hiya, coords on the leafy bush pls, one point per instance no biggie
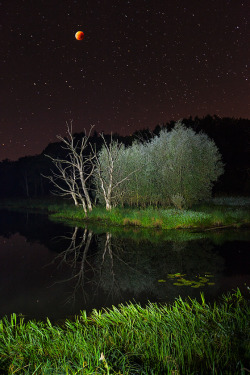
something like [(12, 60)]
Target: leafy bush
[(177, 167)]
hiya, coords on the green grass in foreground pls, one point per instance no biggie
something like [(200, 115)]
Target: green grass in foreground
[(184, 338)]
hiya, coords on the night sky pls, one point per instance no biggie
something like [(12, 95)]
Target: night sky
[(141, 63)]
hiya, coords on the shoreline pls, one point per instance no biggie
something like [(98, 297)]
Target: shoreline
[(203, 217)]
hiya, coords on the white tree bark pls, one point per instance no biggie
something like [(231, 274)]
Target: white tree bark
[(74, 171), (107, 164)]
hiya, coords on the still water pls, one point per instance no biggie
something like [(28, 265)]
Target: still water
[(56, 270)]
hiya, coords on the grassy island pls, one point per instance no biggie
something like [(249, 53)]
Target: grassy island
[(217, 213), (186, 337)]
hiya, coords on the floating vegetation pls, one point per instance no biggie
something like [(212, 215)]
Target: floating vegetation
[(200, 281)]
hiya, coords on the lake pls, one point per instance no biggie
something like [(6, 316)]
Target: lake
[(54, 269)]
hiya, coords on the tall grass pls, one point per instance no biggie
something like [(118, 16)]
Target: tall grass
[(187, 337)]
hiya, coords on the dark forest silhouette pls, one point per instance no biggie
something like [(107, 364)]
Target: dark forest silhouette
[(23, 178)]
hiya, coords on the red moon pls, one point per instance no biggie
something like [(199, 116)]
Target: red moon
[(79, 35)]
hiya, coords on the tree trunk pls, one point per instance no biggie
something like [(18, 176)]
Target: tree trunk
[(74, 198), (108, 206), (86, 193)]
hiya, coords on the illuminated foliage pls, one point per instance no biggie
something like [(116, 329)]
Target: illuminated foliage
[(189, 164), (175, 168)]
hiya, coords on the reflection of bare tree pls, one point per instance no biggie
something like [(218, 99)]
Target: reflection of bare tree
[(121, 268), (76, 257), (106, 256), (117, 267)]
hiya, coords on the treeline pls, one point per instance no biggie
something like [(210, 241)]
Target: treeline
[(24, 178)]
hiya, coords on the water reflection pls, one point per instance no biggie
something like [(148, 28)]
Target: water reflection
[(50, 269), (75, 256), (132, 269), (121, 269)]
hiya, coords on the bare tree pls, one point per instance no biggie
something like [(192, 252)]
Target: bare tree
[(74, 170), (108, 170)]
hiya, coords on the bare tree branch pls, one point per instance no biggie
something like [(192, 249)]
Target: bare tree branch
[(74, 170), (105, 170)]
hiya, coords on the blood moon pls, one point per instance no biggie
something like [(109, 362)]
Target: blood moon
[(79, 35)]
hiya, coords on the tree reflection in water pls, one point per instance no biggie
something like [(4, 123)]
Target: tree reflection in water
[(75, 256), (115, 268), (123, 270), (106, 267)]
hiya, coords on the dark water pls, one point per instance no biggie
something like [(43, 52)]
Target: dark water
[(51, 269)]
